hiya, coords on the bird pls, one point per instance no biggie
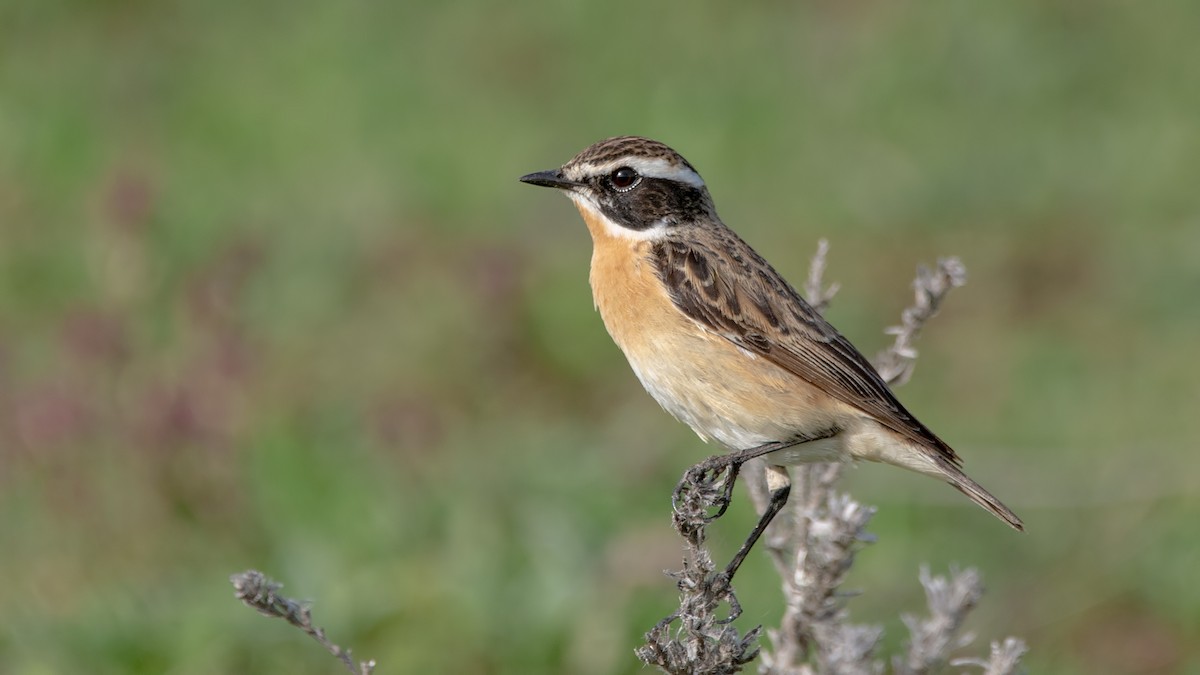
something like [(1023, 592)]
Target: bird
[(722, 341)]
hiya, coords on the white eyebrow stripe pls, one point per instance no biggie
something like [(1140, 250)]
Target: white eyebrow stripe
[(652, 167)]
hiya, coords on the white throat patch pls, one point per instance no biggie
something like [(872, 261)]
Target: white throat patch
[(612, 229)]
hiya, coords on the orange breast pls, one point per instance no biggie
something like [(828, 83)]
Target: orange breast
[(701, 378), (631, 300)]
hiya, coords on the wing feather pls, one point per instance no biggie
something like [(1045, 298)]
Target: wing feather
[(731, 290)]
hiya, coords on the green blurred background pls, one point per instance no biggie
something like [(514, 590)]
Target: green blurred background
[(271, 296)]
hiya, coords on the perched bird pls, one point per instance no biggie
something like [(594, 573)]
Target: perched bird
[(722, 341)]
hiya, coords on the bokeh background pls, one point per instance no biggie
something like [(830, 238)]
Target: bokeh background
[(271, 296)]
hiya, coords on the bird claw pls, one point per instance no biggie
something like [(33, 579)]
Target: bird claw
[(721, 586), (705, 486)]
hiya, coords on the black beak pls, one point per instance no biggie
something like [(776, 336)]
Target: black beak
[(553, 179)]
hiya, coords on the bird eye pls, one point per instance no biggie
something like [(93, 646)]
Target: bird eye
[(624, 178)]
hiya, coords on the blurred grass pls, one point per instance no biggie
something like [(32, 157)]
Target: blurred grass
[(270, 296)]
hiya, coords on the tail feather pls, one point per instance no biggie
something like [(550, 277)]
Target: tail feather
[(964, 484), (876, 444)]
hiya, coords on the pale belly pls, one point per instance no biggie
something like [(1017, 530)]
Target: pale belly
[(737, 399)]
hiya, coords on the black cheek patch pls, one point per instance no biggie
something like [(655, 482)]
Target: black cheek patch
[(655, 200)]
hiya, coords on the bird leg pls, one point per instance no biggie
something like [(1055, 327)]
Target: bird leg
[(710, 484), (779, 486)]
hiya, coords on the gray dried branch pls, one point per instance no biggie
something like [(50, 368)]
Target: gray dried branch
[(815, 291), (704, 641), (1005, 658), (260, 592), (950, 599), (813, 550), (896, 363)]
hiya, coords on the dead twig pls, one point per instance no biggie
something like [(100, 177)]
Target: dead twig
[(260, 592)]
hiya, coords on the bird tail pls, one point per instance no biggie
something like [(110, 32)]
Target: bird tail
[(964, 484)]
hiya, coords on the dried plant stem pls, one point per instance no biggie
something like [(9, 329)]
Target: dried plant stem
[(896, 363), (950, 599), (705, 641), (1005, 658), (260, 592), (815, 291)]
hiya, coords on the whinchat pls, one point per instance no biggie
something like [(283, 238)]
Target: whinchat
[(721, 340)]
